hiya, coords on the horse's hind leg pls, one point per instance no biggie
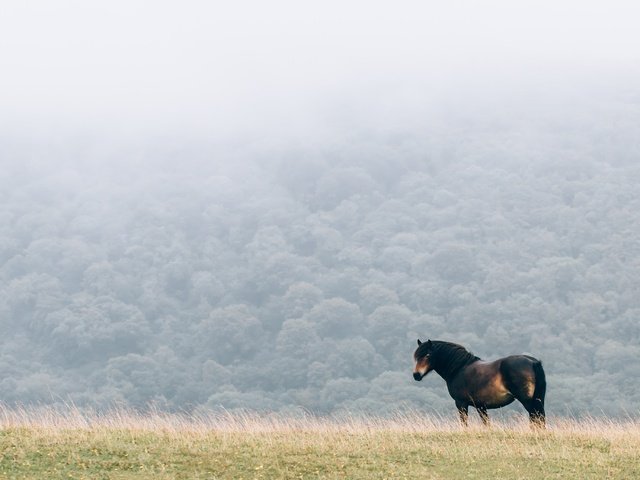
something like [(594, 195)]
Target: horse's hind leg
[(536, 413), (535, 408), (529, 389)]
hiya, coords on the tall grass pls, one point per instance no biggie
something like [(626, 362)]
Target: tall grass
[(248, 422), (122, 443)]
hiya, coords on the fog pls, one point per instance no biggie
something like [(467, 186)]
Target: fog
[(222, 69), (263, 205)]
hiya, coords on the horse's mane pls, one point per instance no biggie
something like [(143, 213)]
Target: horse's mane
[(447, 358)]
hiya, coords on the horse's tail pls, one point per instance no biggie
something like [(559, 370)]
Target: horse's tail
[(540, 389), (536, 408)]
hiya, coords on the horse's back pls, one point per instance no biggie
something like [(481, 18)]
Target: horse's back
[(519, 361)]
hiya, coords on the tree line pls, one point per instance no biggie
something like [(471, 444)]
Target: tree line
[(302, 279)]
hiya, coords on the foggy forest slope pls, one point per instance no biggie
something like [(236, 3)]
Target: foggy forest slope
[(285, 277)]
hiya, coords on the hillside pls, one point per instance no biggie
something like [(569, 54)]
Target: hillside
[(168, 281)]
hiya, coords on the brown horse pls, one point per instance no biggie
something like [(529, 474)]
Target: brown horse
[(484, 385)]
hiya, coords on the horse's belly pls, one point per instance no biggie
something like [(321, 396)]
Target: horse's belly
[(494, 394), (499, 401)]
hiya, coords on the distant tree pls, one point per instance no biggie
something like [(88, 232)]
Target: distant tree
[(95, 331), (394, 390), (297, 347), (138, 377), (299, 172), (396, 258), (374, 295), (340, 392), (38, 388), (64, 258), (335, 318), (228, 334), (29, 299), (280, 271), (298, 339), (617, 357), (206, 287), (176, 278), (454, 263), (339, 184), (266, 242), (341, 283), (388, 329), (299, 298), (328, 242), (355, 256), (318, 374), (233, 399), (354, 358)]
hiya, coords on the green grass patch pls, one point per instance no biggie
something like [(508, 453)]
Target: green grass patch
[(164, 447), (132, 453)]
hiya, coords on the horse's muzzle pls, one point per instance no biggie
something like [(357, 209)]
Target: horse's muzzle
[(416, 376)]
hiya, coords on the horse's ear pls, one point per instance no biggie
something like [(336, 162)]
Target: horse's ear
[(419, 342), (429, 344)]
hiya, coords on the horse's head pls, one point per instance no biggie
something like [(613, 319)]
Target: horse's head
[(422, 357)]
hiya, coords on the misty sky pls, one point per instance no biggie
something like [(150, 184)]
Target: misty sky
[(282, 69)]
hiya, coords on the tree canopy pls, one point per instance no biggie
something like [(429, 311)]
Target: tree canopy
[(303, 278)]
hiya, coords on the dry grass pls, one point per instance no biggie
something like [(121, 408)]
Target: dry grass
[(70, 443)]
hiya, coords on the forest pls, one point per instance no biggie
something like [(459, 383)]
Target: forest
[(192, 275)]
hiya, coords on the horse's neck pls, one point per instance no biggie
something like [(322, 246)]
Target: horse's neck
[(448, 366), (446, 371)]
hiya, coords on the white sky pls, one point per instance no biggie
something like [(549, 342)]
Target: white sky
[(233, 65)]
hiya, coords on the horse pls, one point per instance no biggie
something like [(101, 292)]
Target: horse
[(481, 384)]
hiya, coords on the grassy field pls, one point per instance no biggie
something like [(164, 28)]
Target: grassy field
[(122, 445)]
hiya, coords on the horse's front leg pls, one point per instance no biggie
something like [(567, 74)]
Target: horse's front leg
[(463, 411), (482, 411)]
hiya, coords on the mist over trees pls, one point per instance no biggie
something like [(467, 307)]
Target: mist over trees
[(273, 277)]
